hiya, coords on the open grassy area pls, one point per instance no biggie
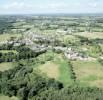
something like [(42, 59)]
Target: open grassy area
[(89, 73), (93, 35), (69, 39), (101, 47), (51, 69), (65, 75), (5, 37), (57, 68), (7, 51), (2, 97), (6, 66)]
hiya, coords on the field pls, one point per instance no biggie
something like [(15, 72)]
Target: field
[(51, 70), (5, 37), (65, 73), (57, 68), (7, 51), (93, 35), (6, 66), (89, 73), (2, 97)]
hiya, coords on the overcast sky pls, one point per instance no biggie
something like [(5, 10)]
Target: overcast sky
[(50, 6)]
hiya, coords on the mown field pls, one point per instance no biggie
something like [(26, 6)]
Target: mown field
[(89, 73)]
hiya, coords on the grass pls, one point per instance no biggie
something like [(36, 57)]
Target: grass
[(93, 35), (57, 68), (6, 66), (89, 72), (51, 69), (5, 37), (64, 73), (2, 97), (101, 45), (69, 39), (7, 51)]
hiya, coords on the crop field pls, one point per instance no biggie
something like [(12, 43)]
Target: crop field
[(89, 73)]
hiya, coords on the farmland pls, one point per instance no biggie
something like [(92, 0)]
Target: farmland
[(2, 97), (51, 57), (6, 37), (92, 35), (89, 73), (6, 66)]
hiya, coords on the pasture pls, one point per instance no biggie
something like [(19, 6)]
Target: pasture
[(92, 35), (51, 69), (5, 37), (6, 66), (89, 72), (2, 97), (7, 51), (57, 68)]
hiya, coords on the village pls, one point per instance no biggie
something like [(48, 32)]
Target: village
[(39, 42)]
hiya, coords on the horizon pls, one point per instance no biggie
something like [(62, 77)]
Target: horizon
[(61, 14)]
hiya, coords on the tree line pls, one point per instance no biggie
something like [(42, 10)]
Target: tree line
[(23, 52), (27, 84), (24, 83)]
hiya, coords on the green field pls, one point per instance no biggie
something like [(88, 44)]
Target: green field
[(6, 66), (50, 69), (7, 51), (65, 73), (57, 68), (89, 73), (2, 97), (5, 37), (89, 35)]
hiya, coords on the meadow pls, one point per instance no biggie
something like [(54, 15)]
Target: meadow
[(6, 37), (2, 97), (91, 35), (54, 66), (7, 65), (89, 73)]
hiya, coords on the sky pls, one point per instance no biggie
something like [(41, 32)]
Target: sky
[(50, 6)]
